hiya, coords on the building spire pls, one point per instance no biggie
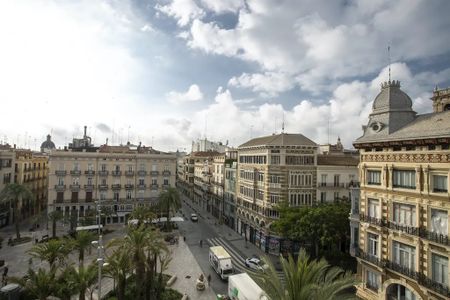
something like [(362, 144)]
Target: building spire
[(389, 57)]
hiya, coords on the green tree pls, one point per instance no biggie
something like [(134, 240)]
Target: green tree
[(64, 285), (81, 242), (53, 251), (142, 214), (54, 217), (155, 249), (15, 193), (83, 278), (118, 268), (169, 200), (305, 280), (38, 284)]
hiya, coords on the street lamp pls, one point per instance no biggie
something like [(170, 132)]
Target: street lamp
[(100, 248)]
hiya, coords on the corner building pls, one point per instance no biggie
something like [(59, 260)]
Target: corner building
[(272, 169), (400, 223)]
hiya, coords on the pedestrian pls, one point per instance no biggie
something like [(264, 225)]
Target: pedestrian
[(201, 243), (209, 279), (184, 238)]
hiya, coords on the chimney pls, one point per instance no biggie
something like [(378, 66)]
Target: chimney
[(85, 129)]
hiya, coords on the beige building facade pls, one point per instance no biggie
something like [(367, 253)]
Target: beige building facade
[(120, 177), (399, 218)]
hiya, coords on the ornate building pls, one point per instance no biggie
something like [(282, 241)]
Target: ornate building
[(400, 217)]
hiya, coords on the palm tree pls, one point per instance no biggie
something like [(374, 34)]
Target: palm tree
[(13, 193), (53, 251), (83, 278), (55, 216), (305, 279), (82, 242), (118, 268), (64, 285), (154, 250), (136, 242), (38, 284), (142, 214), (169, 200)]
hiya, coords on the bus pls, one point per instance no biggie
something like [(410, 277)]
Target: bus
[(90, 228)]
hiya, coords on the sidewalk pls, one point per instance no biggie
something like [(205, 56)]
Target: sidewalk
[(187, 270)]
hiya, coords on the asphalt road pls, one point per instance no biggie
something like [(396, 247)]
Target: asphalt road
[(194, 232)]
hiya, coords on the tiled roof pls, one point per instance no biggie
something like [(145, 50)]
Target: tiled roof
[(432, 125), (205, 153), (337, 160), (283, 139)]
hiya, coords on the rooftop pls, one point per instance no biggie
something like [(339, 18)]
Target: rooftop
[(283, 139), (337, 160)]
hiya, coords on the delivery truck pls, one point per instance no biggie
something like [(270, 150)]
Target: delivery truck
[(243, 287), (220, 260)]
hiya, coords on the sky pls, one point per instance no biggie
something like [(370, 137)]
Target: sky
[(167, 72)]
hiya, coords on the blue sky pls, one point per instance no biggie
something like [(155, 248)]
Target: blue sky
[(167, 72)]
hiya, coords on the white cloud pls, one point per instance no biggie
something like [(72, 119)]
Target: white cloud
[(182, 10), (222, 6), (268, 84), (192, 94), (147, 28)]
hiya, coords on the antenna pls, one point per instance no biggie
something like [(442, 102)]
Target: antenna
[(389, 57), (328, 129), (282, 125), (128, 138), (206, 125)]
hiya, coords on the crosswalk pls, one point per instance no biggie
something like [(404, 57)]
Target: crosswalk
[(237, 259)]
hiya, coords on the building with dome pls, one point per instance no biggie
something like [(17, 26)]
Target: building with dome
[(48, 145), (399, 215)]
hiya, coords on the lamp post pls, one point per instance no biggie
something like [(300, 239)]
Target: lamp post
[(99, 245)]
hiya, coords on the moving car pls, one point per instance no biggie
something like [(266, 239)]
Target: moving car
[(255, 264), (194, 218)]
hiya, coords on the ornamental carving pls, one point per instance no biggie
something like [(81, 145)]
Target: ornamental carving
[(408, 158)]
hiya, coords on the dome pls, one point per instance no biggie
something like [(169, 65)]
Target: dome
[(48, 144), (391, 98)]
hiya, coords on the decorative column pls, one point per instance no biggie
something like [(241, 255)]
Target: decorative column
[(418, 174), (390, 176), (426, 188)]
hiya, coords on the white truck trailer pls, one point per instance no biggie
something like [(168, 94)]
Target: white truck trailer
[(243, 287), (220, 260)]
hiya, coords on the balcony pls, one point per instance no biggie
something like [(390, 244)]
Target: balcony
[(89, 187), (371, 220), (103, 186), (434, 237), (116, 173), (372, 287), (116, 186), (103, 173), (403, 228), (142, 172), (275, 185), (331, 185), (129, 186), (60, 173), (60, 187), (369, 257), (75, 172), (129, 173), (75, 187), (166, 173), (154, 186), (89, 172), (141, 186), (154, 173)]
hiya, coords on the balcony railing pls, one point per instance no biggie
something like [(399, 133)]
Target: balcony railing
[(369, 257), (75, 172), (154, 173), (154, 186), (332, 184), (60, 187), (88, 186), (116, 186), (371, 220), (166, 173), (89, 172), (141, 186), (404, 228), (129, 186), (372, 287), (103, 173), (129, 173), (116, 173), (103, 186), (142, 172), (74, 187), (434, 237), (60, 173)]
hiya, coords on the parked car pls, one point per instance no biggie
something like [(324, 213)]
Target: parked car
[(194, 218), (255, 264)]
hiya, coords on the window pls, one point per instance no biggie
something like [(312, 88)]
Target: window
[(336, 196), (141, 181), (336, 180), (440, 269), (103, 181), (275, 159), (154, 182), (59, 196), (374, 177), (141, 194), (274, 199), (404, 255), (154, 167), (75, 180), (117, 168), (166, 181), (76, 166), (130, 168), (405, 214), (102, 195), (60, 180), (323, 180), (439, 221), (61, 167), (116, 196), (372, 244), (128, 195), (323, 197), (372, 280), (440, 184), (404, 179), (374, 208), (89, 181), (90, 167), (88, 196), (142, 167), (74, 197), (103, 167)]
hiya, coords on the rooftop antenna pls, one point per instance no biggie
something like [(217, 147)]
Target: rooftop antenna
[(128, 138), (282, 125), (206, 125), (328, 129), (389, 57)]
